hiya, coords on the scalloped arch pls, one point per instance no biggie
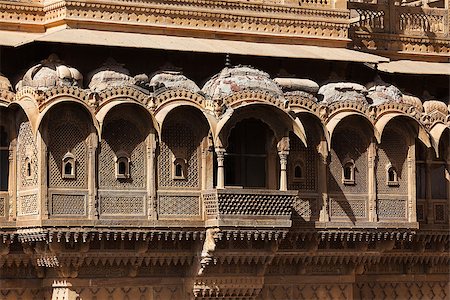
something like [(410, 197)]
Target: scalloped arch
[(31, 110), (386, 118), (296, 125), (337, 118), (436, 133), (106, 108), (67, 99)]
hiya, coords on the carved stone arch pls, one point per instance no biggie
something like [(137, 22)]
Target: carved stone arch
[(30, 109), (169, 96), (75, 101), (245, 97), (334, 121), (386, 118), (106, 107), (130, 93), (436, 134), (233, 116), (164, 110), (325, 134)]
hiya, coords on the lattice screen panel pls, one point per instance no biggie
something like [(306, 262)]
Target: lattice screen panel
[(179, 140), (27, 150), (2, 206), (122, 135), (122, 205), (348, 144), (68, 204), (309, 156), (306, 208), (393, 150), (174, 205), (348, 208), (67, 138), (392, 208)]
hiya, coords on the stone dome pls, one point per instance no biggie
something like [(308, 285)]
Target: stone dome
[(297, 84), (342, 91), (379, 94), (235, 79), (110, 74), (5, 84), (51, 72), (174, 80), (414, 101)]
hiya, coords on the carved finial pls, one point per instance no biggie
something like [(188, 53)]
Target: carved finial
[(227, 60)]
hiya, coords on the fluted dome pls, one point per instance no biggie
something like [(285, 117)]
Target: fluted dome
[(435, 105), (239, 78), (343, 91), (414, 101), (51, 72), (110, 74), (5, 84), (175, 80)]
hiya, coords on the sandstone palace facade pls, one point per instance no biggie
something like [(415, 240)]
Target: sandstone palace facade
[(210, 149)]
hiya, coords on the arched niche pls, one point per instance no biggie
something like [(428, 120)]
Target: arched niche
[(184, 136)]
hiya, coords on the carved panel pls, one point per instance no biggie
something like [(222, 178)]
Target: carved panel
[(393, 151), (309, 157), (179, 141), (28, 205), (2, 206), (68, 204), (307, 291), (122, 136), (440, 212), (392, 208), (402, 290), (171, 205), (348, 208), (27, 152), (122, 205), (306, 208), (63, 139)]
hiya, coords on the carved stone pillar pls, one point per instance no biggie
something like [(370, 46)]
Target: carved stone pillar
[(220, 153), (92, 189), (12, 182), (151, 177), (412, 216), (42, 176), (323, 181), (204, 168), (283, 174), (428, 204), (372, 183), (283, 152)]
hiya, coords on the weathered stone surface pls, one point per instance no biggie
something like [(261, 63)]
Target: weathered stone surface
[(51, 72), (297, 84), (236, 79), (5, 84), (414, 101), (384, 93), (342, 91), (110, 74), (175, 80)]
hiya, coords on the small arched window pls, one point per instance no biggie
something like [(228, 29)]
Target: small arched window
[(122, 166), (391, 176), (179, 169), (68, 166), (29, 167), (298, 173), (348, 173)]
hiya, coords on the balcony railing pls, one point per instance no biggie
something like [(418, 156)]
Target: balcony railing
[(403, 20), (248, 207)]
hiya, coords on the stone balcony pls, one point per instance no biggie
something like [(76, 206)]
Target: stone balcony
[(248, 207), (387, 29)]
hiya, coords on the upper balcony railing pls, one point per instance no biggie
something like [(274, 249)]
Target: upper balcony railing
[(386, 26)]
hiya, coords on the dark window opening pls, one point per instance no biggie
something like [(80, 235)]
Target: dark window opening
[(68, 169), (298, 172), (122, 168), (28, 168), (4, 160), (246, 155), (178, 170), (348, 172)]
